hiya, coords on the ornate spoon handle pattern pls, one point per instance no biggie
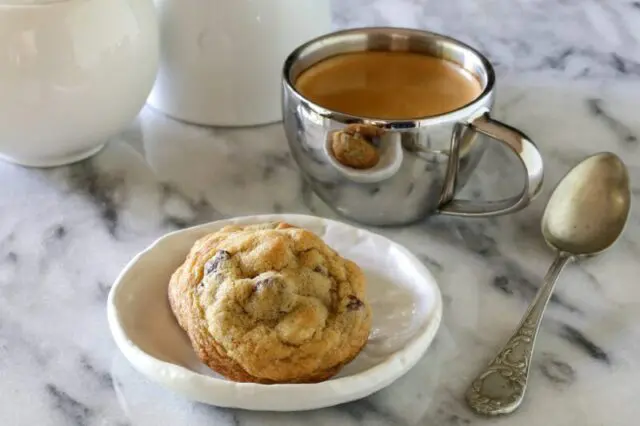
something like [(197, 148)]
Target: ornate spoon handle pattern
[(501, 387)]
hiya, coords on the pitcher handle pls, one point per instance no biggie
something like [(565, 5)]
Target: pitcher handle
[(519, 143)]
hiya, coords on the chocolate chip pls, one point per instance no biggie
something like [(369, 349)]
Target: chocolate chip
[(265, 282), (354, 303), (213, 264), (321, 270)]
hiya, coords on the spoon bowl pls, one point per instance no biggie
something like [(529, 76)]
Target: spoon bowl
[(589, 208), (585, 215)]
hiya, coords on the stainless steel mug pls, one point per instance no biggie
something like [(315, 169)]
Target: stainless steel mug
[(424, 161)]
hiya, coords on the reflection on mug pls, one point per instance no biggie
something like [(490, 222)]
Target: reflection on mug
[(357, 146), (364, 153)]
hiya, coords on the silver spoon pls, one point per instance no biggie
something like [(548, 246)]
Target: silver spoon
[(585, 215)]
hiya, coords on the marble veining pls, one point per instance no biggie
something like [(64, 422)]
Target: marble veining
[(65, 233)]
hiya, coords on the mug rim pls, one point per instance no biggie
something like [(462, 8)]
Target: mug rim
[(462, 113)]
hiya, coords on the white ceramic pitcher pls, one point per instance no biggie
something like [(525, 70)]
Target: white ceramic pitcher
[(221, 60), (72, 74)]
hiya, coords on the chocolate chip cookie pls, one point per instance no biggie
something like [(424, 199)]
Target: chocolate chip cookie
[(271, 303)]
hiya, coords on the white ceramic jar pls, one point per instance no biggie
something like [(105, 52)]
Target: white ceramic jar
[(72, 74), (221, 60)]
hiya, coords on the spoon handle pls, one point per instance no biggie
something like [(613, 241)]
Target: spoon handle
[(500, 388)]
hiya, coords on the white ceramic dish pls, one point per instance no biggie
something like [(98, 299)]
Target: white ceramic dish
[(406, 303)]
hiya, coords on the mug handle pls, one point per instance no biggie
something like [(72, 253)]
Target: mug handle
[(519, 143)]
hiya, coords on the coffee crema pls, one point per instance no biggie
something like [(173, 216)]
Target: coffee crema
[(388, 85)]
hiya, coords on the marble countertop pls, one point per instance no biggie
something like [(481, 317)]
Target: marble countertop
[(65, 233), (592, 39)]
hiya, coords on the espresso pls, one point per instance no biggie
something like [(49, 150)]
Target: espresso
[(388, 85)]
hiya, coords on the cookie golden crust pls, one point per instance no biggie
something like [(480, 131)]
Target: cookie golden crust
[(271, 303)]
